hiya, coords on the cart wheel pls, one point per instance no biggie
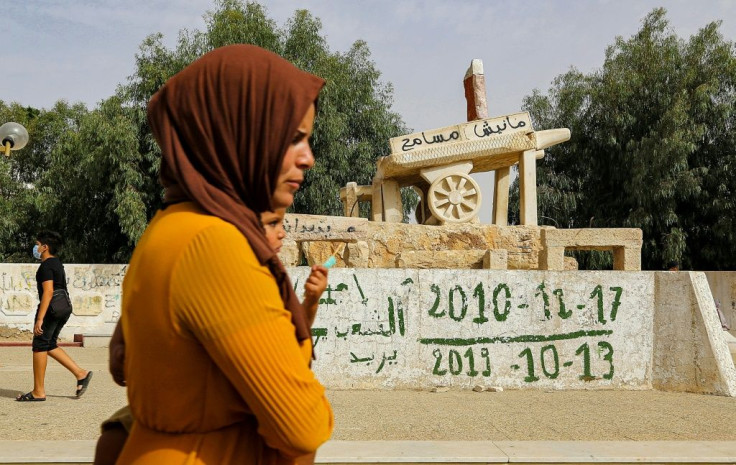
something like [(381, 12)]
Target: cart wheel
[(454, 198)]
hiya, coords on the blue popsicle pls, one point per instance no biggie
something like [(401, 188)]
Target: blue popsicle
[(330, 262)]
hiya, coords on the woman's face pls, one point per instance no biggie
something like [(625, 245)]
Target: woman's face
[(298, 159)]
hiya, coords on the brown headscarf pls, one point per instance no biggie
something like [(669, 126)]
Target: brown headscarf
[(224, 124)]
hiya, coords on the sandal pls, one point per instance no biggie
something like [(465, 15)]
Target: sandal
[(83, 383), (28, 397)]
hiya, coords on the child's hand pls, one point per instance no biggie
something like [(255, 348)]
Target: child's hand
[(316, 284)]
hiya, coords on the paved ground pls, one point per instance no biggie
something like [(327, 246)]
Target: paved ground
[(393, 415)]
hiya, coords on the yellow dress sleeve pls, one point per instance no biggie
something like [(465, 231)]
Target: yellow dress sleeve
[(223, 297), (306, 348)]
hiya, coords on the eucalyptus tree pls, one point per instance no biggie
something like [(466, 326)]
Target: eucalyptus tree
[(354, 117), (21, 210), (92, 175), (651, 147)]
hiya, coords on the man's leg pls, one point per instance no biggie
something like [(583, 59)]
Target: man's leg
[(41, 345), (66, 361), (40, 360)]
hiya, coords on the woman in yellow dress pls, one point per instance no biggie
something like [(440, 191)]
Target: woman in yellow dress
[(217, 346)]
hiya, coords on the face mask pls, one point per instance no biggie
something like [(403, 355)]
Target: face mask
[(36, 253)]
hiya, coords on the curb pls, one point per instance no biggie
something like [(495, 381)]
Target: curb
[(437, 452), (78, 342)]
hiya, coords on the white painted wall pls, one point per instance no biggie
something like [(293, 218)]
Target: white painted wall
[(422, 328), (95, 292), (394, 328)]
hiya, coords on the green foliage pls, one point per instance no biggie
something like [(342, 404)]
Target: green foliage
[(235, 22), (93, 175), (79, 175), (354, 118), (652, 146), (21, 213)]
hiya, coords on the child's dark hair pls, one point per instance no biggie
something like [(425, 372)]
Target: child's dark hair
[(51, 239)]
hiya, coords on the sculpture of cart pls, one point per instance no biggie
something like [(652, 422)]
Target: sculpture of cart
[(437, 164)]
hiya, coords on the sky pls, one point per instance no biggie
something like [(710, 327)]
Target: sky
[(80, 50)]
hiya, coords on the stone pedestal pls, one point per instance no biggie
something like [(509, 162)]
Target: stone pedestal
[(625, 243), (496, 259)]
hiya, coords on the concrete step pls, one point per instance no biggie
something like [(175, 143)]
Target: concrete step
[(436, 452), (96, 340), (28, 344), (93, 340)]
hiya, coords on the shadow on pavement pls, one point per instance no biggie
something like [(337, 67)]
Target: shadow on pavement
[(10, 393)]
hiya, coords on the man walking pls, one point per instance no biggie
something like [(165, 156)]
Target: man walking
[(50, 277)]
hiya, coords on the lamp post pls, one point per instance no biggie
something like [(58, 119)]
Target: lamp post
[(13, 137)]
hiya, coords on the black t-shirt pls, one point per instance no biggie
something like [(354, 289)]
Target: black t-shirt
[(51, 269)]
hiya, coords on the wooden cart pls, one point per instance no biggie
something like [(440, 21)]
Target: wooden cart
[(438, 163)]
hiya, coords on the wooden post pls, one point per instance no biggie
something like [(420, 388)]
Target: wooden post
[(349, 197), (475, 91), (377, 201), (528, 187), (391, 201), (501, 178), (477, 108)]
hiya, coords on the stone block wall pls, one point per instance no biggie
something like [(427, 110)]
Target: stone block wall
[(371, 244)]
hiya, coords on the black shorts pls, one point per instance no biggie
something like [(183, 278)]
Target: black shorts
[(51, 327)]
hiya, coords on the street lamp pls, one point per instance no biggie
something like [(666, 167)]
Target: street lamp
[(13, 136)]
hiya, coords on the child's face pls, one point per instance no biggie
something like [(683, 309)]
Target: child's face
[(273, 223)]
